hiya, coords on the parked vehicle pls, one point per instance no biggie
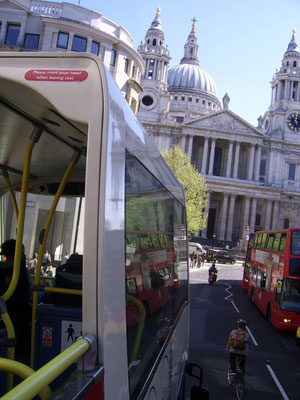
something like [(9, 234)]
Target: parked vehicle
[(224, 256), (196, 247)]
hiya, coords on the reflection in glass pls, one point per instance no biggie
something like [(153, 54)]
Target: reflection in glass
[(156, 268)]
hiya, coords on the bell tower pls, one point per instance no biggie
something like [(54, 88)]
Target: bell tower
[(282, 121), (154, 101)]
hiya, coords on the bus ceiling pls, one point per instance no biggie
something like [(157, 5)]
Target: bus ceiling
[(21, 111)]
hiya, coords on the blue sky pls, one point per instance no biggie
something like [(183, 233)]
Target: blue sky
[(241, 42)]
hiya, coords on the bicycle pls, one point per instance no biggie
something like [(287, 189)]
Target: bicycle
[(237, 378)]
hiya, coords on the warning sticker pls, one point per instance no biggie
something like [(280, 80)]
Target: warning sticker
[(46, 336), (70, 332), (54, 75)]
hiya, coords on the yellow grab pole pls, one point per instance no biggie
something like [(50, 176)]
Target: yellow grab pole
[(23, 371), (41, 378), (20, 226), (141, 324), (10, 330), (60, 189), (12, 194)]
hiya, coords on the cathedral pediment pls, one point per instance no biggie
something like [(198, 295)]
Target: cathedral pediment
[(9, 4), (225, 121)]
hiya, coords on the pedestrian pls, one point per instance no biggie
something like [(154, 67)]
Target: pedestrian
[(46, 259), (32, 263), (65, 258)]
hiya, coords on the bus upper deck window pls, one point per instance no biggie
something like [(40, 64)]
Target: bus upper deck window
[(282, 242), (295, 247), (264, 240), (276, 241)]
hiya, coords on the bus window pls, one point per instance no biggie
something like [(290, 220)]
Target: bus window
[(149, 207), (258, 279), (155, 241), (145, 242), (257, 240), (270, 241), (276, 241), (295, 247), (278, 291), (291, 295), (254, 274), (295, 267), (282, 242), (264, 240)]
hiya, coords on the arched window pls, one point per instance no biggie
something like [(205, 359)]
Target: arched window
[(286, 223), (154, 42), (295, 64)]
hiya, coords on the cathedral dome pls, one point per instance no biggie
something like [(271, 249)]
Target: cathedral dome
[(191, 78)]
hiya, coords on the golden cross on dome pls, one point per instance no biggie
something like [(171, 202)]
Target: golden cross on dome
[(294, 34), (193, 26), (157, 12)]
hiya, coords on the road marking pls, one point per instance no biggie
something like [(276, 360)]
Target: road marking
[(252, 337), (237, 310), (284, 395), (227, 290)]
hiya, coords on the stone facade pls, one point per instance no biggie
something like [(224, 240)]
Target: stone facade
[(252, 173)]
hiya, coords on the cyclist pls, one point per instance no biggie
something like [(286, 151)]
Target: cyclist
[(238, 345)]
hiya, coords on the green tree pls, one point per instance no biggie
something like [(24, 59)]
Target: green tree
[(194, 186)]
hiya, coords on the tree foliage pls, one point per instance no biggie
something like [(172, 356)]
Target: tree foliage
[(194, 185)]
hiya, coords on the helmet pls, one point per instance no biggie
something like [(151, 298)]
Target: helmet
[(242, 323)]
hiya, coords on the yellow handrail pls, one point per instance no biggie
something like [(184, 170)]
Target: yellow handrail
[(35, 383), (10, 330), (42, 249), (23, 371), (18, 249), (141, 324), (12, 194)]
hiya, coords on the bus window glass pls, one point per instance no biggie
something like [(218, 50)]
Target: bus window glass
[(160, 274), (295, 247), (258, 240), (295, 267), (270, 241), (291, 295), (282, 242), (278, 292), (264, 240), (276, 241), (258, 279), (254, 274)]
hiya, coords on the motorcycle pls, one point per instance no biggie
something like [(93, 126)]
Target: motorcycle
[(212, 277)]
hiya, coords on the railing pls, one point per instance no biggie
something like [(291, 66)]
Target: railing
[(46, 8)]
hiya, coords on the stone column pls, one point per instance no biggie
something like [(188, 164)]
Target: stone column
[(230, 217), (3, 31), (204, 231), (253, 214), (182, 145), (190, 147), (89, 44), (236, 159), (251, 163), (204, 157), (70, 41), (229, 160), (271, 166), (268, 214), (245, 220), (223, 217), (212, 156), (275, 215), (257, 163)]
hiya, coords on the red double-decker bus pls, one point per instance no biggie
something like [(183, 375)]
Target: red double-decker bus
[(247, 262), (274, 284)]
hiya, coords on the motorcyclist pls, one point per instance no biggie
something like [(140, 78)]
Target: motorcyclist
[(213, 270)]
